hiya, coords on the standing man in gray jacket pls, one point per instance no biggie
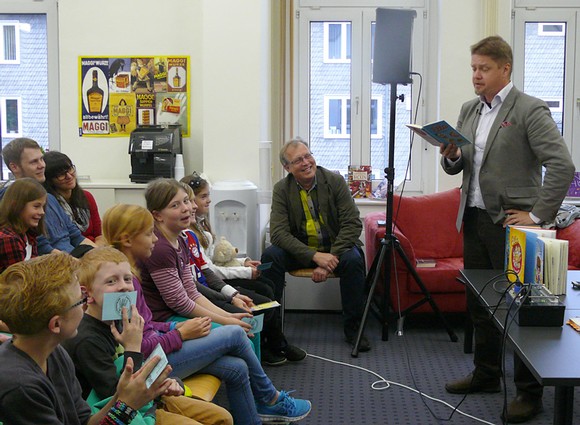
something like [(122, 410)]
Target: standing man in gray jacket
[(513, 136), (315, 223)]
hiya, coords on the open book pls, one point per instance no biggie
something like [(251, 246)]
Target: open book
[(439, 132)]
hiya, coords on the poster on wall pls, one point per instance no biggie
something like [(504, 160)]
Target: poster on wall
[(117, 94), (94, 93)]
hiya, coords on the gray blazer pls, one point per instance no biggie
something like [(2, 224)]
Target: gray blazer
[(522, 139)]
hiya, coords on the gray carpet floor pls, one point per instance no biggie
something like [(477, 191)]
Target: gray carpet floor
[(423, 358)]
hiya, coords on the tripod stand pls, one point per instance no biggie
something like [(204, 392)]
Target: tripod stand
[(386, 254)]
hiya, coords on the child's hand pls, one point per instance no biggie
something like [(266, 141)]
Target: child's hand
[(174, 389), (132, 334), (197, 327), (132, 388)]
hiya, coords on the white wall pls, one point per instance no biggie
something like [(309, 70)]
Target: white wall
[(229, 45), (229, 78)]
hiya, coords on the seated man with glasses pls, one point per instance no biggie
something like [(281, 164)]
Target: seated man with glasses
[(315, 223), (25, 158)]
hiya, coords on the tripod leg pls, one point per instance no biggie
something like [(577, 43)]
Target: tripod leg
[(374, 274), (425, 291)]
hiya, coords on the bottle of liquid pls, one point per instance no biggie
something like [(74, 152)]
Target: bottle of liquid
[(95, 95), (177, 79)]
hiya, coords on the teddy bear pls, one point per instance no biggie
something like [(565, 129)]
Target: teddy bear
[(224, 254)]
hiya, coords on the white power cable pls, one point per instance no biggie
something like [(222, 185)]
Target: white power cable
[(383, 384)]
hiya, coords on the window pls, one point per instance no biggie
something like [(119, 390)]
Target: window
[(11, 117), (552, 29), (546, 45), (337, 43), (29, 104), (554, 103), (341, 113), (10, 42)]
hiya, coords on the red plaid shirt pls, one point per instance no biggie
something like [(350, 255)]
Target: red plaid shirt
[(13, 246)]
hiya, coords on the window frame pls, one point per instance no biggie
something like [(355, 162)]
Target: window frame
[(329, 11), (4, 112), (3, 59), (343, 42)]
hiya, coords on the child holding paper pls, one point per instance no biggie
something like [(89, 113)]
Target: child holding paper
[(42, 303), (191, 347), (275, 348), (98, 343)]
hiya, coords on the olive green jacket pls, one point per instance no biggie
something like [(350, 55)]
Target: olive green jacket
[(336, 207)]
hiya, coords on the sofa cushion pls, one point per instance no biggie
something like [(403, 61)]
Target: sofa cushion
[(428, 221), (572, 234), (440, 279)]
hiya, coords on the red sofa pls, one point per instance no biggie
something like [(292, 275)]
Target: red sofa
[(425, 227)]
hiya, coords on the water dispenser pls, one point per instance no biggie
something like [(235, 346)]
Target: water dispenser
[(234, 214)]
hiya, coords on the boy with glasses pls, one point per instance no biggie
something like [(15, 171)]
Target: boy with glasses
[(41, 301)]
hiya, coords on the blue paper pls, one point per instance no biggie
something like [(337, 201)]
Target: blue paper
[(257, 323), (264, 266), (113, 302)]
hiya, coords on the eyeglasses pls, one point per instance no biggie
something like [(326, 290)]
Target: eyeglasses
[(302, 158), (82, 302), (62, 175)]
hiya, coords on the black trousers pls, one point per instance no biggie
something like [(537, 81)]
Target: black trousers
[(484, 248)]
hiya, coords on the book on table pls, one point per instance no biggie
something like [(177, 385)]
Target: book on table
[(439, 132), (535, 256), (426, 263), (574, 190)]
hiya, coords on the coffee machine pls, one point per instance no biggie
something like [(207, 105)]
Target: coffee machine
[(153, 150)]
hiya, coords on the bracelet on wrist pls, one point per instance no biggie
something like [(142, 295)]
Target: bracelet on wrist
[(121, 413)]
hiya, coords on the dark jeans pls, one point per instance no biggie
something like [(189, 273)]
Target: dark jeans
[(350, 269), (484, 248), (272, 336)]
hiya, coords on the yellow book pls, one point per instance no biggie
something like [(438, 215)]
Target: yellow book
[(516, 254)]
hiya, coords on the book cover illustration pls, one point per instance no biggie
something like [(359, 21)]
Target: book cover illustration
[(516, 254), (574, 190), (359, 181), (439, 132)]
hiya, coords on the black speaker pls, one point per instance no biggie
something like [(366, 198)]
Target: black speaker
[(392, 51)]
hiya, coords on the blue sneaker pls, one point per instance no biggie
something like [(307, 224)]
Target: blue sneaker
[(286, 409)]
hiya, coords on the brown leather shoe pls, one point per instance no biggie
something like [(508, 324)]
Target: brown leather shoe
[(523, 408), (473, 384)]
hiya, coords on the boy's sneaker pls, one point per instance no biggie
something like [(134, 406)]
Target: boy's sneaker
[(293, 353), (271, 358), (286, 409)]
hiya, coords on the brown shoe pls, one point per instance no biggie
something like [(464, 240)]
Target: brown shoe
[(523, 408), (473, 384)]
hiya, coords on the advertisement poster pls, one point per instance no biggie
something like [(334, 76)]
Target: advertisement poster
[(94, 96), (145, 109), (176, 73), (117, 94), (123, 112), (160, 74), (119, 75), (172, 109)]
